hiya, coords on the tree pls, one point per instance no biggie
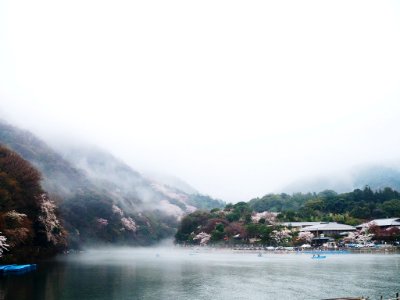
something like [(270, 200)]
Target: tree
[(305, 236), (3, 244), (281, 236), (190, 224), (203, 237), (391, 208), (217, 235), (28, 217)]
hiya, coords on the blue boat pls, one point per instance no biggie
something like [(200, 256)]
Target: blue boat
[(318, 256), (17, 268), (4, 267)]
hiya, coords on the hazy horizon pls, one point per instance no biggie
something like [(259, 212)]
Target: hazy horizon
[(236, 99)]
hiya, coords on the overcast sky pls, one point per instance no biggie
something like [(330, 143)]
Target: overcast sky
[(238, 98)]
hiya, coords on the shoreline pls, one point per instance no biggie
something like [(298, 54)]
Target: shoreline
[(385, 250)]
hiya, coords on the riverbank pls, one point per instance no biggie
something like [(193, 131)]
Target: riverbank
[(385, 249)]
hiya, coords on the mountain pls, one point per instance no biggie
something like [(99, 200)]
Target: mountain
[(54, 168), (101, 198), (375, 176), (130, 188), (172, 181)]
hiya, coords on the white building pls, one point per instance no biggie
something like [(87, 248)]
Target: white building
[(329, 228)]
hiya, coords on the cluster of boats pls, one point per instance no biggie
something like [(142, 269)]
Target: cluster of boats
[(17, 268)]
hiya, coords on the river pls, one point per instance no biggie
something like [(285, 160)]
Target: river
[(213, 274)]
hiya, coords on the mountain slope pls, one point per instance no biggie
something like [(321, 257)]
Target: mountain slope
[(28, 217), (102, 198), (54, 168)]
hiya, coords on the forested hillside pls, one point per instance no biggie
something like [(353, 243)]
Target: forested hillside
[(28, 217), (262, 220), (331, 206), (101, 199)]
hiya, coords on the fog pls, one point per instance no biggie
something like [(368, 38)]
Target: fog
[(236, 99)]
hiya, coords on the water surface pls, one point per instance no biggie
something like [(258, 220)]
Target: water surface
[(213, 274)]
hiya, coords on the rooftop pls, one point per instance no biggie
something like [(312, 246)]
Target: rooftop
[(329, 226), (300, 224), (382, 222)]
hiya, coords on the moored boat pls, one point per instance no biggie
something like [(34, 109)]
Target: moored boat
[(17, 268)]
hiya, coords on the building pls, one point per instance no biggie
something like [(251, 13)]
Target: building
[(329, 228), (299, 225), (323, 241), (382, 223)]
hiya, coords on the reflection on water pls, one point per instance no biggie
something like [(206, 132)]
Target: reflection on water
[(183, 274)]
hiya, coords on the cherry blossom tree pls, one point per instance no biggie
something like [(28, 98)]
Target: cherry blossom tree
[(102, 222), (116, 210), (203, 237), (281, 236), (306, 236), (49, 220), (366, 233), (3, 244), (369, 227), (359, 237), (269, 217), (129, 224)]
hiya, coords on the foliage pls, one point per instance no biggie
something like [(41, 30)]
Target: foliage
[(101, 199), (3, 244), (257, 221), (234, 223), (190, 224), (204, 202), (350, 208), (305, 236), (203, 237), (28, 217), (281, 237)]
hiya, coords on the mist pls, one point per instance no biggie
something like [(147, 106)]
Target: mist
[(236, 100)]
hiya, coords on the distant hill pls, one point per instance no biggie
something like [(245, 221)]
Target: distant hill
[(102, 198), (351, 208), (375, 176)]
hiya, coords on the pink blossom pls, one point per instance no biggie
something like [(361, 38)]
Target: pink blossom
[(49, 219), (3, 244), (102, 222), (360, 237), (281, 236), (129, 224), (306, 236), (203, 237), (269, 217), (367, 227), (116, 210)]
